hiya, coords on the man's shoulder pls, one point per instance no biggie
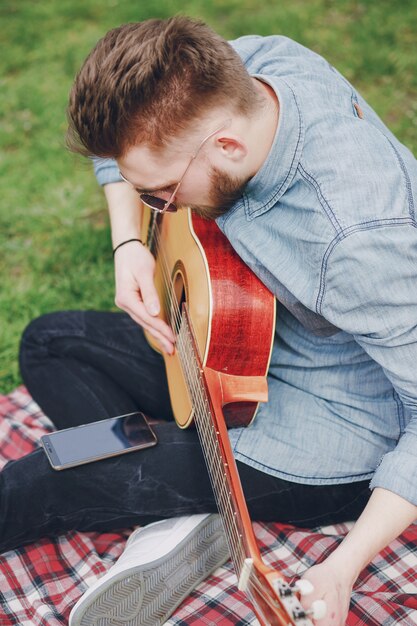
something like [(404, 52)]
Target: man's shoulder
[(273, 53)]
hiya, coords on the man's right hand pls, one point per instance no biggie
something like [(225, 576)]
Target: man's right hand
[(136, 293)]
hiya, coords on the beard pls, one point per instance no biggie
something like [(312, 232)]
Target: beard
[(224, 191)]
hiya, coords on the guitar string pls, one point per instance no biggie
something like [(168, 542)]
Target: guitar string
[(217, 475), (221, 490), (218, 472), (215, 471)]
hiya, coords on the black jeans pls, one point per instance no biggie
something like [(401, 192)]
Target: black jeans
[(81, 366)]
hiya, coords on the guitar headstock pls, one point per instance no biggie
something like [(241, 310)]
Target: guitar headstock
[(276, 602)]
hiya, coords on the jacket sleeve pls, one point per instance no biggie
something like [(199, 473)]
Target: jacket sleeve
[(369, 289), (106, 171)]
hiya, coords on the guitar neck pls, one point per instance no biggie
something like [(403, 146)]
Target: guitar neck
[(218, 455)]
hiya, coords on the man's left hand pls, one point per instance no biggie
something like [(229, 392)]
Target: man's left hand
[(334, 586)]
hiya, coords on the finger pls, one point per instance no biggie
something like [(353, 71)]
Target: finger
[(165, 345), (134, 306), (151, 326), (149, 294), (157, 328), (160, 327)]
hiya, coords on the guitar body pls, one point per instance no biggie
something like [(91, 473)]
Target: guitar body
[(231, 311)]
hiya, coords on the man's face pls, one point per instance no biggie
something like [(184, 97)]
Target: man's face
[(208, 188)]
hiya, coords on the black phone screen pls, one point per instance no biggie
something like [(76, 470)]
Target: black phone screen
[(90, 442)]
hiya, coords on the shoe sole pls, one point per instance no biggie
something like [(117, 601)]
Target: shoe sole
[(147, 595)]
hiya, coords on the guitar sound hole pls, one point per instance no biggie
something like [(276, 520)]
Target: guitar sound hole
[(180, 299)]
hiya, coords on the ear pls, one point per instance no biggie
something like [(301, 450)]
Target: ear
[(232, 147)]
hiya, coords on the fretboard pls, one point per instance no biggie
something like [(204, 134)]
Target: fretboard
[(209, 439)]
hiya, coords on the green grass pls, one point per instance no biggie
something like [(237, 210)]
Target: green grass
[(54, 236)]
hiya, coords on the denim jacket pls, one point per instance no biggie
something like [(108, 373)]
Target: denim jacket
[(328, 224)]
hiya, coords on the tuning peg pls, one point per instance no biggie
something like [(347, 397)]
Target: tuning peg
[(303, 587), (318, 609)]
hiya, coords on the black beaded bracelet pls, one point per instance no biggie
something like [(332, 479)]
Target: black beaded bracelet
[(127, 241)]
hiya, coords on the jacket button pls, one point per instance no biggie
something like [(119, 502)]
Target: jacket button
[(358, 110)]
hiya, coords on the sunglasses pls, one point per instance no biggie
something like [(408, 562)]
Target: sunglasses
[(167, 206)]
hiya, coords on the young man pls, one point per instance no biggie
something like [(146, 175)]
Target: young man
[(317, 197)]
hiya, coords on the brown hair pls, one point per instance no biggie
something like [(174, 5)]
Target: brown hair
[(145, 82)]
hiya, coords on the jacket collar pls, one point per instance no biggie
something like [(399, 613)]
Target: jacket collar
[(276, 173)]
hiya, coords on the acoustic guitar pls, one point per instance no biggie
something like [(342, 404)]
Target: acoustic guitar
[(224, 321)]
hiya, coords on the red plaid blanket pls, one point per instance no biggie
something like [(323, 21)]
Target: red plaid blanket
[(40, 583)]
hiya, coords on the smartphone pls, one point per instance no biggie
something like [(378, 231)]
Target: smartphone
[(99, 440)]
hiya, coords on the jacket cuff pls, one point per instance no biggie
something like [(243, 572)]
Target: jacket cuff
[(106, 171), (397, 472)]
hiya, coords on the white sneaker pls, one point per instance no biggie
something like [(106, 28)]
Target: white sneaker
[(160, 566)]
